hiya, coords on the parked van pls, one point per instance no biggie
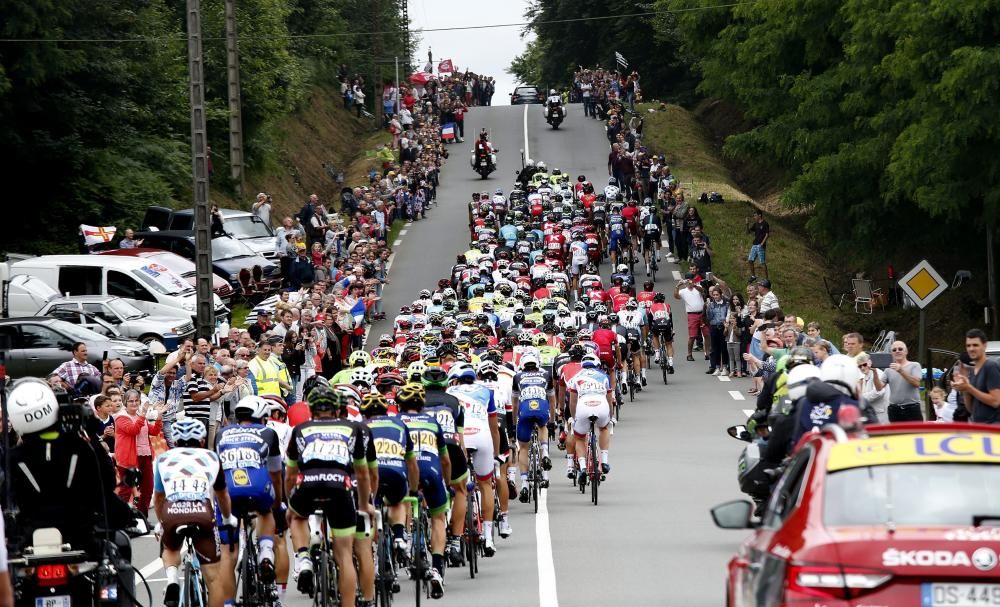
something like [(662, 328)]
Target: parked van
[(149, 286)]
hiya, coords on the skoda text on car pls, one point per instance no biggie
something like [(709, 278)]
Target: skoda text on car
[(905, 514)]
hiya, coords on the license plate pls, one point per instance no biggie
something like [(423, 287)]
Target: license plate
[(53, 601), (959, 595)]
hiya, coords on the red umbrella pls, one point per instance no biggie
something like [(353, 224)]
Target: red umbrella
[(420, 77)]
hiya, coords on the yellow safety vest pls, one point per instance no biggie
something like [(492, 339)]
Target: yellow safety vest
[(265, 373)]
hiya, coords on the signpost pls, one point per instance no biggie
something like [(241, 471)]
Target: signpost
[(922, 285)]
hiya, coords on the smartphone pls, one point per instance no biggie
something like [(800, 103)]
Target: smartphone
[(881, 360), (105, 357)]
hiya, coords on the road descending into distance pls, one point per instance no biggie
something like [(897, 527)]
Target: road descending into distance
[(651, 540)]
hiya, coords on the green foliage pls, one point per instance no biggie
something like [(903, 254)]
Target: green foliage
[(883, 112), (527, 66), (95, 132)]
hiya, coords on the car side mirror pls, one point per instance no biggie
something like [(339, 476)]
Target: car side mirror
[(739, 432), (733, 515)]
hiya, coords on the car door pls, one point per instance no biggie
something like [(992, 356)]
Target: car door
[(43, 349), (765, 576), (10, 336)]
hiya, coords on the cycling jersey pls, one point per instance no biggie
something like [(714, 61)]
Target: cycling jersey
[(532, 389), (188, 477), (645, 298), (428, 443), (591, 387), (480, 407), (605, 340), (393, 448), (249, 454)]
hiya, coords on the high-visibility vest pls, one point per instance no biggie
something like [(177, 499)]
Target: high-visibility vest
[(266, 374)]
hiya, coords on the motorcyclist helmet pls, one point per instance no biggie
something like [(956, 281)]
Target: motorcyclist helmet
[(33, 406), (799, 379), (842, 371)]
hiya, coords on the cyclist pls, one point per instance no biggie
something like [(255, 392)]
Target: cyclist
[(450, 415), (566, 371), (325, 457), (482, 433), (434, 466), (488, 373), (590, 393), (662, 327), (618, 237), (634, 322), (534, 405), (184, 479), (651, 230), (250, 453)]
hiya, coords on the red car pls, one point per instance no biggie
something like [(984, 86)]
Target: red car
[(182, 266), (905, 514)]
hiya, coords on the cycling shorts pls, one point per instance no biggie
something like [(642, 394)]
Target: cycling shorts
[(634, 347), (392, 485), (530, 413), (651, 240), (664, 331), (459, 467), (432, 485), (587, 406), (197, 518), (251, 499), (336, 502), (482, 459)]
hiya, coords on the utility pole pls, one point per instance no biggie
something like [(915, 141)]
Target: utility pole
[(235, 105), (205, 322), (376, 67), (405, 8)]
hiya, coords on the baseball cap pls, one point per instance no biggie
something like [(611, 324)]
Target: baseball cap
[(765, 283)]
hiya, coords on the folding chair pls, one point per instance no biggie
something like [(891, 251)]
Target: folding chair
[(837, 302), (864, 295)]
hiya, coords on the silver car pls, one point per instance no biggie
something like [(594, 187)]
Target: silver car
[(131, 322)]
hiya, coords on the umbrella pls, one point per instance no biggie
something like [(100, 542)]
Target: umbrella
[(420, 78)]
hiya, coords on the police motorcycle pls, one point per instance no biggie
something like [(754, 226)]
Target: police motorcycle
[(484, 156), (46, 569), (554, 111)]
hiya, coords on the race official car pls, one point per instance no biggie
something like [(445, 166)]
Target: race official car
[(901, 514)]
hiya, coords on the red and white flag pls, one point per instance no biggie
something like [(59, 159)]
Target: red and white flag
[(448, 131), (445, 66), (97, 235)]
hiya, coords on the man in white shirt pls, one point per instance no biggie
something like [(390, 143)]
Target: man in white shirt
[(768, 300), (262, 208), (693, 296)]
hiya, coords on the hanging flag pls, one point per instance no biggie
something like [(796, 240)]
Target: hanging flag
[(621, 60), (448, 132), (97, 235), (445, 67)]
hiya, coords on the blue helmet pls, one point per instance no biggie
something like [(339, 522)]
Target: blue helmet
[(462, 371)]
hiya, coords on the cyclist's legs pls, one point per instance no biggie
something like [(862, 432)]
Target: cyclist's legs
[(214, 583), (347, 578), (460, 474), (366, 564)]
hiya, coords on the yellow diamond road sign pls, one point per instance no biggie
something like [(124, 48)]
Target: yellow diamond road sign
[(922, 284)]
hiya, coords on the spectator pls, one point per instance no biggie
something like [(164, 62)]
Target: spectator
[(944, 410), (199, 392), (262, 208), (903, 377), (761, 231), (873, 387), (693, 297), (102, 426), (301, 272), (260, 327), (129, 242), (71, 370), (716, 313), (133, 452), (167, 390), (980, 387), (768, 300), (266, 372)]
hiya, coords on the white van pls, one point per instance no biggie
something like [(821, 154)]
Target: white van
[(149, 286)]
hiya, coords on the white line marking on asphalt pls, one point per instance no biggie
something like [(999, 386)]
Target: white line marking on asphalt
[(402, 232), (547, 594), (723, 377), (676, 274), (397, 243), (664, 243), (736, 394), (748, 412), (527, 152), (150, 569)]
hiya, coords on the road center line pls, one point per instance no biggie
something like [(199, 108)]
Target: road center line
[(149, 570), (676, 274), (736, 394), (527, 152), (723, 377), (547, 594), (748, 412)]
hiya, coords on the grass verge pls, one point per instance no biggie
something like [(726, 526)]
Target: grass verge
[(794, 266)]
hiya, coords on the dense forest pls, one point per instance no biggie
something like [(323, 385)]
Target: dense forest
[(882, 114), (94, 102)]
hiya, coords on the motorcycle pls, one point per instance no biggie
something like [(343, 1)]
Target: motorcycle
[(753, 479), (554, 116), (479, 162), (51, 573)]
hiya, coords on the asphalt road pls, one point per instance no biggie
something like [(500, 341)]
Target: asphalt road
[(651, 540)]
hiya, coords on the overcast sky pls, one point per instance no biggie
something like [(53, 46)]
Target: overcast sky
[(484, 51)]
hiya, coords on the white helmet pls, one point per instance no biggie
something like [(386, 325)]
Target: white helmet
[(552, 91), (32, 406), (799, 379), (530, 357), (417, 368), (362, 376), (622, 268), (529, 162), (541, 165), (257, 407), (840, 369), (487, 366)]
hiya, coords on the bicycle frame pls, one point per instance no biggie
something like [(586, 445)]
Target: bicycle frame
[(420, 565), (193, 591)]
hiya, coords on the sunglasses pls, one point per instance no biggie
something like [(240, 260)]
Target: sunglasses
[(899, 349), (863, 365)]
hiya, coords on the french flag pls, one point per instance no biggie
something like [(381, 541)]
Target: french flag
[(358, 312), (448, 132)]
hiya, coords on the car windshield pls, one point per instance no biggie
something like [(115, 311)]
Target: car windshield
[(526, 90), (228, 248), (76, 332), (124, 309), (173, 262), (929, 494), (246, 226), (162, 280)]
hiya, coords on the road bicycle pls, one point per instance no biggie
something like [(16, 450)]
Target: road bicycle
[(593, 475), (664, 361), (472, 537), (632, 382), (649, 256), (325, 591), (420, 550), (535, 466), (254, 592), (386, 581), (193, 593)]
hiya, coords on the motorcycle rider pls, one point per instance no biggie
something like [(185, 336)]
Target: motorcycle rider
[(484, 151), (554, 101)]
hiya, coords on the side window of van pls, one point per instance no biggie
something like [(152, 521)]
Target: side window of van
[(123, 285), (80, 280)]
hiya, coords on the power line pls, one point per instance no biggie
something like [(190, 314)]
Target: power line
[(347, 34)]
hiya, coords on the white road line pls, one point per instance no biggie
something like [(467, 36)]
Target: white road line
[(397, 243), (527, 152), (748, 412), (665, 243), (402, 232), (149, 570), (723, 377), (736, 394), (676, 274), (547, 594)]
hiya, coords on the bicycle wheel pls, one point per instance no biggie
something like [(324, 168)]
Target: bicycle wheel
[(631, 385), (419, 564), (189, 595), (321, 583), (595, 465), (384, 574), (663, 363), (533, 470)]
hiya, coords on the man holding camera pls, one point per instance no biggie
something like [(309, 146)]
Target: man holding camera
[(761, 231)]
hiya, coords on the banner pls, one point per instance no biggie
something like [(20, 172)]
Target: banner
[(97, 235), (446, 67), (621, 60), (448, 132)]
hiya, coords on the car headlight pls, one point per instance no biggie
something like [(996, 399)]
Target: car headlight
[(234, 277), (127, 352)]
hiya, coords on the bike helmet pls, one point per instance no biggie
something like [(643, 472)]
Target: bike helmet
[(659, 298), (311, 383), (539, 339), (530, 358), (434, 377), (359, 358), (416, 368), (388, 380), (349, 393), (385, 340), (324, 398), (586, 335), (461, 372), (410, 396), (33, 406), (373, 404), (841, 370), (487, 367), (622, 268), (251, 408), (364, 377), (590, 361), (182, 430), (576, 351)]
